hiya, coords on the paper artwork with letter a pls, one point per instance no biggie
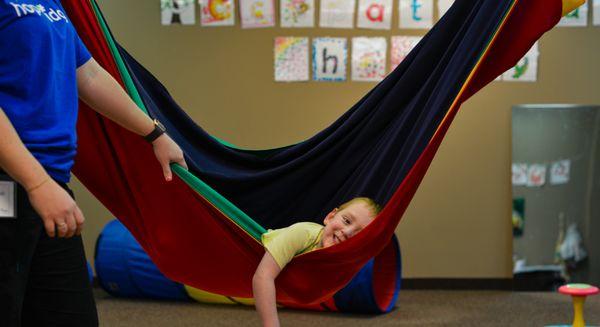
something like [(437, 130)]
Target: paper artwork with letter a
[(297, 13), (257, 13), (416, 13), (217, 12), (337, 13), (330, 59), (443, 6), (526, 69), (368, 58), (375, 14), (291, 59), (576, 18), (401, 47), (178, 12), (596, 13)]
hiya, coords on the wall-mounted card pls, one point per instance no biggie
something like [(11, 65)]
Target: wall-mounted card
[(178, 12), (330, 59), (576, 18), (8, 204), (368, 58), (291, 59), (596, 13), (217, 12), (257, 13), (526, 70), (416, 13), (560, 172), (297, 13), (401, 47), (375, 14), (337, 13), (443, 6)]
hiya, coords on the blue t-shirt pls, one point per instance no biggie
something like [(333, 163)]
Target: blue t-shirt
[(39, 54)]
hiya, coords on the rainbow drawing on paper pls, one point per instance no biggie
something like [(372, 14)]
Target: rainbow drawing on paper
[(291, 59)]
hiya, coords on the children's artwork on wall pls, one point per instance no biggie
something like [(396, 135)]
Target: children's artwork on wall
[(291, 59), (560, 172), (337, 13), (596, 12), (401, 46), (519, 174), (375, 14), (576, 18), (368, 58), (257, 13), (443, 6), (526, 69), (178, 12), (536, 175), (297, 13), (416, 13), (217, 12), (330, 59)]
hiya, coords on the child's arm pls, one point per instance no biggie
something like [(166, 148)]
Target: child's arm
[(263, 286)]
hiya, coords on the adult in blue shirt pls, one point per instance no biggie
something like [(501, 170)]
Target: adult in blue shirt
[(44, 69)]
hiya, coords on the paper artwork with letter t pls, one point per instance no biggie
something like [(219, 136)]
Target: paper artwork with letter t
[(257, 13), (297, 13), (291, 59), (443, 6), (536, 175), (526, 69), (337, 13), (375, 14), (401, 47), (178, 12), (217, 12), (416, 14), (576, 18), (330, 59), (368, 58)]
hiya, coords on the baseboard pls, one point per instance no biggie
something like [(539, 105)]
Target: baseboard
[(503, 284)]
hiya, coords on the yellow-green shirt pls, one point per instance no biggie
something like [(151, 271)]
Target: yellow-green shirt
[(285, 243)]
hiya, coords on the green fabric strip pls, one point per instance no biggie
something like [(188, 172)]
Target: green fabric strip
[(222, 204)]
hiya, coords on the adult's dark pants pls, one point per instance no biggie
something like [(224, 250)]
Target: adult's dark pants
[(43, 281)]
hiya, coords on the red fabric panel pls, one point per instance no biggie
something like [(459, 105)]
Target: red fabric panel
[(191, 242)]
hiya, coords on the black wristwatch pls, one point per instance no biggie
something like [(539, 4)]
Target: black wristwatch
[(158, 130)]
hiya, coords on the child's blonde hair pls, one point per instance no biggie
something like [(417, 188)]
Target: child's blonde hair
[(371, 204)]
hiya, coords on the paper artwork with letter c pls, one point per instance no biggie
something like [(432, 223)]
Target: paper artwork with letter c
[(217, 12)]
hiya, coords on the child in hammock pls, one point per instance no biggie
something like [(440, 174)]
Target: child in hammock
[(283, 244)]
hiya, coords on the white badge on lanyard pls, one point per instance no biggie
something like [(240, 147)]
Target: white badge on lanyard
[(8, 201)]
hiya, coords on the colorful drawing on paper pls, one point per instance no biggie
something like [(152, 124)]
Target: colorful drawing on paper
[(375, 14), (443, 6), (560, 172), (519, 174), (337, 13), (297, 13), (368, 58), (257, 13), (576, 18), (526, 69), (178, 12), (330, 57), (291, 59), (536, 175), (416, 14), (217, 12), (401, 47), (596, 12)]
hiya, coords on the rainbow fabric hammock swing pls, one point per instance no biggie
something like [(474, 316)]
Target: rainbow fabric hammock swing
[(197, 229)]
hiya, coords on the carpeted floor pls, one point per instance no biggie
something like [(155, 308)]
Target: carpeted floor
[(414, 308)]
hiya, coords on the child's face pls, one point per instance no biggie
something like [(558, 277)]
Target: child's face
[(341, 225)]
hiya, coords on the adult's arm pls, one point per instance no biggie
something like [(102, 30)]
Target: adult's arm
[(54, 205), (98, 89), (263, 288)]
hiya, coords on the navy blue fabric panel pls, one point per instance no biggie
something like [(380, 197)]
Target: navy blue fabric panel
[(366, 152)]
